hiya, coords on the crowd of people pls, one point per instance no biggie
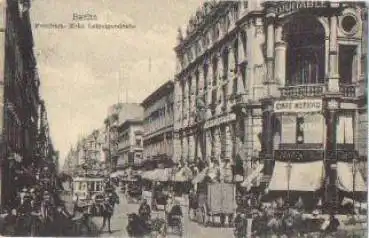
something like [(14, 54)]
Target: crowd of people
[(278, 220), (36, 210)]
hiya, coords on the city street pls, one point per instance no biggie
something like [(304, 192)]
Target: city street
[(191, 229)]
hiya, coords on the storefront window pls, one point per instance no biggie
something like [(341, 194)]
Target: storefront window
[(345, 129)]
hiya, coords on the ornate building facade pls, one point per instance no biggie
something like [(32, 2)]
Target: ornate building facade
[(158, 123), (279, 82)]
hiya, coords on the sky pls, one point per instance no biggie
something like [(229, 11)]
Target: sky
[(84, 71)]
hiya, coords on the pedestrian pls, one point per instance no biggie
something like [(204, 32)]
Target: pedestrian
[(108, 208), (192, 202), (144, 211), (10, 223)]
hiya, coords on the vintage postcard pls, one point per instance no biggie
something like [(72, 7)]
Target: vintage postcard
[(183, 118)]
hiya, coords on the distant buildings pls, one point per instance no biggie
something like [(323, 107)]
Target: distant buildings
[(130, 147), (117, 115), (158, 123), (103, 146), (88, 153)]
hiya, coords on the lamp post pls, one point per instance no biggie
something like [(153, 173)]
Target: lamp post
[(353, 183), (289, 166)]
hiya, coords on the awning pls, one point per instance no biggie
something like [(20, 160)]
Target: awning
[(183, 175), (118, 173), (161, 175), (147, 174), (200, 177), (346, 178), (307, 176), (253, 177)]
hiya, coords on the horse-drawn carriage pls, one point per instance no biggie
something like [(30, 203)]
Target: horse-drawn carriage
[(215, 199)]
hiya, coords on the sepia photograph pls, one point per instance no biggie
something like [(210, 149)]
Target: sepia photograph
[(183, 118)]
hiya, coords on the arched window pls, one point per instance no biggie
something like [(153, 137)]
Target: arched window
[(305, 50)]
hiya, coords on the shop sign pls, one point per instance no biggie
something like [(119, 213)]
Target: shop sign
[(286, 7), (314, 105), (220, 120)]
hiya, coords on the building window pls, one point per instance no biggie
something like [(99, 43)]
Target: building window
[(346, 63), (197, 75), (139, 142), (305, 51), (215, 69), (349, 24), (225, 57)]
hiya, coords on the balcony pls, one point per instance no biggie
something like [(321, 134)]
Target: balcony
[(348, 90), (303, 91)]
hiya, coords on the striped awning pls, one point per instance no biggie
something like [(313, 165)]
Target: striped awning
[(350, 179), (298, 176)]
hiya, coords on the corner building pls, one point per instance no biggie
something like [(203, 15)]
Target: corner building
[(279, 82)]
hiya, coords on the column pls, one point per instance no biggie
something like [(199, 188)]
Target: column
[(267, 134), (192, 147), (180, 156), (333, 80), (270, 49), (186, 108), (220, 67), (185, 148), (217, 143), (201, 81), (231, 78), (228, 142), (179, 104), (280, 58), (208, 146), (193, 99), (209, 88), (332, 105)]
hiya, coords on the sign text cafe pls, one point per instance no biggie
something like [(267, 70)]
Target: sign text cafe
[(289, 106)]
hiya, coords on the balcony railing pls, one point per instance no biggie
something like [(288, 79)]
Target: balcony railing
[(348, 90), (301, 91), (315, 90)]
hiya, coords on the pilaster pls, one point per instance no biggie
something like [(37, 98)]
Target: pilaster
[(192, 148), (333, 78), (228, 142), (208, 144)]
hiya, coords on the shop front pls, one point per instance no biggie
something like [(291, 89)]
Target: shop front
[(314, 158)]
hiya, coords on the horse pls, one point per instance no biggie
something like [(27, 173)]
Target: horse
[(108, 209)]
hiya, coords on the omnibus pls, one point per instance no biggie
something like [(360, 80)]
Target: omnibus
[(87, 187)]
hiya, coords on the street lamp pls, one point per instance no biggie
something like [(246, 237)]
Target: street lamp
[(353, 182), (289, 167)]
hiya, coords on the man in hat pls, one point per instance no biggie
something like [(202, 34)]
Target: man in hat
[(144, 211), (24, 212)]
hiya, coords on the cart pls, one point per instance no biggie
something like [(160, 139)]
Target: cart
[(134, 191), (215, 199)]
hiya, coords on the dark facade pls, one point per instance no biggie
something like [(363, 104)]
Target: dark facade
[(25, 137)]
